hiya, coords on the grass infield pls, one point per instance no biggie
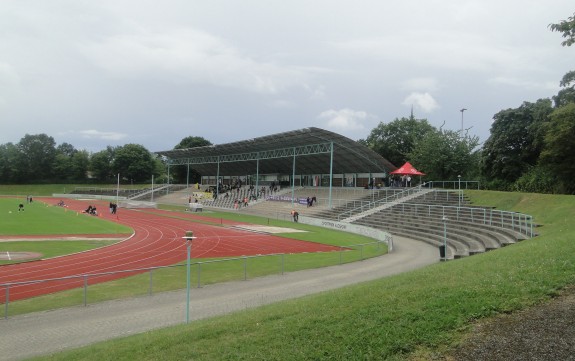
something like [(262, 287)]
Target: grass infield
[(38, 218)]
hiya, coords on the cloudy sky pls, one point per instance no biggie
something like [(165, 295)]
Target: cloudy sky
[(112, 72)]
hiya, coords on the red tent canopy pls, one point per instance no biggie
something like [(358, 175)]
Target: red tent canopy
[(407, 169)]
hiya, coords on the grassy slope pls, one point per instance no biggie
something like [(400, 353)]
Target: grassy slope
[(389, 318)]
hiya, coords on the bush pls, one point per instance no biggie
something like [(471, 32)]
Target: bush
[(536, 180)]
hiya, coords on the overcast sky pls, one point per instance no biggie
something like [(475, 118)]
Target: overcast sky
[(112, 72)]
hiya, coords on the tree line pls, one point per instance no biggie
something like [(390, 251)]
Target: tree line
[(38, 159), (531, 148)]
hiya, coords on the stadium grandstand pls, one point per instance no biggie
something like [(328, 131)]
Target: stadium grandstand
[(309, 157), (328, 178)]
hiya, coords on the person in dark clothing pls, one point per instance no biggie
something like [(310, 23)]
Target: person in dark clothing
[(295, 215)]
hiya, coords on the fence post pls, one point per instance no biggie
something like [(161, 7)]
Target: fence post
[(245, 268), (340, 253), (85, 290), (7, 301), (361, 251), (199, 274), (151, 282)]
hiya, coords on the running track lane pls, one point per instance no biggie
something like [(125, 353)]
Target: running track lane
[(157, 241)]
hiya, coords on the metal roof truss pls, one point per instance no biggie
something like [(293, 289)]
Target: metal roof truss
[(310, 149)]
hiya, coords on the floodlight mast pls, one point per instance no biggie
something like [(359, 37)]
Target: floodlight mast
[(462, 110), (189, 237)]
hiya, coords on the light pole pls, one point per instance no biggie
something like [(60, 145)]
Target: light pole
[(462, 110), (444, 219), (459, 192), (189, 237)]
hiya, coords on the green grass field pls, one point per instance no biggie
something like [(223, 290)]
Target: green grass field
[(39, 219), (418, 315)]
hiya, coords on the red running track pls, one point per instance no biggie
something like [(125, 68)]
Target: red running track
[(157, 241)]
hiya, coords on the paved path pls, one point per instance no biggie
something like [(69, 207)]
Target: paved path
[(51, 331)]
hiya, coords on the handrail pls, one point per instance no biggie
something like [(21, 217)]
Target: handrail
[(377, 203), (520, 222)]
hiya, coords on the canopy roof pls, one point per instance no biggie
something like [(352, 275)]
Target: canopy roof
[(274, 154), (407, 169)]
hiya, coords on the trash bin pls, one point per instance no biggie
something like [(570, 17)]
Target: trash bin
[(442, 252)]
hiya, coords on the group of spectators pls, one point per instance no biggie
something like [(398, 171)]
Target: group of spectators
[(113, 208), (239, 203), (394, 181), (91, 210)]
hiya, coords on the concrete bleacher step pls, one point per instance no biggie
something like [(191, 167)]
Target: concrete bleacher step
[(454, 250), (460, 215), (490, 237), (471, 245)]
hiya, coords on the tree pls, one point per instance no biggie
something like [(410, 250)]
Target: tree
[(101, 164), (9, 156), (559, 152), (180, 174), (133, 162), (567, 94), (37, 154), (515, 142), (80, 163), (67, 149), (62, 167), (567, 27), (397, 139), (443, 155), (192, 142)]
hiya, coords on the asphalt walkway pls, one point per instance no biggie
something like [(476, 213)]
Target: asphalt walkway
[(52, 331)]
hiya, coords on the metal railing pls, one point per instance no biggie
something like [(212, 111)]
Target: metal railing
[(456, 184), (364, 206), (518, 222)]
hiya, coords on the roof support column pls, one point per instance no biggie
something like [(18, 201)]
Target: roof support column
[(188, 177), (330, 172), (258, 175), (168, 187), (293, 178), (218, 179)]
